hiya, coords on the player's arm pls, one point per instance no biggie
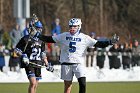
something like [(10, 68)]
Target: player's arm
[(44, 54), (105, 43), (20, 47), (47, 39), (44, 58), (48, 65)]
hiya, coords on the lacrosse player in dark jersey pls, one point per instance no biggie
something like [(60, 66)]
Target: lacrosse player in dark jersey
[(33, 56)]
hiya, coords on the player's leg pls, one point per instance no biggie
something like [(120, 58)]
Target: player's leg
[(80, 73), (38, 77), (67, 86), (67, 76), (32, 85), (36, 85), (30, 71), (82, 84)]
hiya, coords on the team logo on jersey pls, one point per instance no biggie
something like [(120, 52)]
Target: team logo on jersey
[(73, 39), (36, 44)]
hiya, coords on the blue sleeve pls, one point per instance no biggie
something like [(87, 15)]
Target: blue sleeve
[(53, 31)]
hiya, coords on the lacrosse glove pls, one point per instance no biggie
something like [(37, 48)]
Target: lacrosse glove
[(49, 67), (25, 59), (114, 39)]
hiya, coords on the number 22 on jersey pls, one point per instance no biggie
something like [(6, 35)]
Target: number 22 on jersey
[(35, 54)]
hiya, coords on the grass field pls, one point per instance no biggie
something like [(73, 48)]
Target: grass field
[(92, 87)]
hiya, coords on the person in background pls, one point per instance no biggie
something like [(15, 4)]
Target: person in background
[(113, 55), (14, 60), (90, 52), (126, 56), (100, 58), (2, 60), (100, 55), (56, 30), (136, 53), (73, 45), (25, 31), (15, 35)]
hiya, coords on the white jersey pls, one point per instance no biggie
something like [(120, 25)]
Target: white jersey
[(73, 47)]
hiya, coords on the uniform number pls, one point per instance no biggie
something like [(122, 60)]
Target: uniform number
[(72, 46), (35, 54)]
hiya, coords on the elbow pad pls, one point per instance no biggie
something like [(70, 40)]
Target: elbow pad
[(43, 55)]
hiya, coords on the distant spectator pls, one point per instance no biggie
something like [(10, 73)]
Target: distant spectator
[(15, 35), (25, 31), (2, 60), (136, 53), (6, 40), (90, 51), (114, 60), (90, 55), (93, 35), (126, 56), (56, 29), (14, 60), (100, 58)]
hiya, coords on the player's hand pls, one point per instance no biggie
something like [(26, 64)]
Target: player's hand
[(114, 39), (49, 67), (25, 59)]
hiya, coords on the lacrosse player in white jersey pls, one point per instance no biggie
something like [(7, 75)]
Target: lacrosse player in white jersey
[(73, 45)]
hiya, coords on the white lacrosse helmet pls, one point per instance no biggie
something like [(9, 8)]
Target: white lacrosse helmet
[(75, 21)]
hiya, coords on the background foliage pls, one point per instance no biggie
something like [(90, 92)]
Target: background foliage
[(104, 17)]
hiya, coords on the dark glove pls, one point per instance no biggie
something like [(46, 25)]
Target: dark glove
[(49, 67), (114, 39), (25, 59)]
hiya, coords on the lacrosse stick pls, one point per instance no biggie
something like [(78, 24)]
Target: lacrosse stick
[(56, 72), (31, 28)]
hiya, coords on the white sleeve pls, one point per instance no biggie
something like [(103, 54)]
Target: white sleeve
[(90, 41)]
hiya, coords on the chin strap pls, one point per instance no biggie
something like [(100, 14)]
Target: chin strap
[(77, 32)]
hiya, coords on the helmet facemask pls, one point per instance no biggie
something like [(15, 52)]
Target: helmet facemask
[(37, 29), (75, 22)]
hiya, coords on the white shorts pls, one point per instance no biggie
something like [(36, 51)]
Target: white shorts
[(68, 71)]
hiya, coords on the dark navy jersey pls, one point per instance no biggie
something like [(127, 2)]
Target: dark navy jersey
[(34, 48)]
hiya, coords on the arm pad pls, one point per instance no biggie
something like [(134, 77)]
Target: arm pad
[(47, 39), (103, 44)]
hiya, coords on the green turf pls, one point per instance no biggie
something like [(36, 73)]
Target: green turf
[(92, 87)]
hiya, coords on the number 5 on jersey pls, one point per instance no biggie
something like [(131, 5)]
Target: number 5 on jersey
[(72, 46)]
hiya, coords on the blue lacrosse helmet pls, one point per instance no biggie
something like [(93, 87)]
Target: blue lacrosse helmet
[(38, 24)]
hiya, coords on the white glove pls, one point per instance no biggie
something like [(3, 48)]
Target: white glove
[(25, 59), (114, 39)]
